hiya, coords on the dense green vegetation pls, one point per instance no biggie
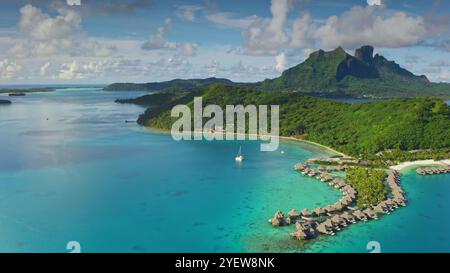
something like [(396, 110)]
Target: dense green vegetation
[(361, 75), (360, 129), (395, 156), (333, 73), (177, 84), (369, 183), (156, 99)]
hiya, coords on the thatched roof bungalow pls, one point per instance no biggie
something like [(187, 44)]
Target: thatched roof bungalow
[(305, 213)]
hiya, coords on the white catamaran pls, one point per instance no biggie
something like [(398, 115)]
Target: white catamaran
[(239, 156)]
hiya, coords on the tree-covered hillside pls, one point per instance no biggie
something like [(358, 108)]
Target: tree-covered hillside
[(362, 75), (355, 129), (175, 84)]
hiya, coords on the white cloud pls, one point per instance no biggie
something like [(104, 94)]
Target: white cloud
[(280, 62), (212, 68), (76, 70), (303, 32), (42, 27), (270, 36), (246, 73), (438, 74), (9, 69), (70, 71), (189, 49), (43, 35), (373, 24), (188, 12), (369, 25), (44, 68), (374, 2), (440, 63), (226, 19), (111, 7), (157, 41)]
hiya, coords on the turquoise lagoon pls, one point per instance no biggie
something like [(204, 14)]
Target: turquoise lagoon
[(71, 169)]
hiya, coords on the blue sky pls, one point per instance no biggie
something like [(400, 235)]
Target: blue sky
[(151, 40)]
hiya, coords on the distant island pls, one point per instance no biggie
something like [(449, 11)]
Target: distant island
[(22, 91), (173, 85), (329, 74)]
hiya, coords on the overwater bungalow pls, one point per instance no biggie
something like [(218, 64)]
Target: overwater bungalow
[(390, 204), (306, 170), (301, 231), (300, 234), (338, 206), (322, 228), (293, 213), (420, 171), (348, 217), (370, 213), (305, 213), (318, 211), (329, 208), (380, 208), (347, 189), (338, 220), (327, 177), (359, 215), (347, 200), (399, 202), (279, 219), (300, 166), (331, 225)]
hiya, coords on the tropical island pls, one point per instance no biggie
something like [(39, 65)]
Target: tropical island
[(330, 74), (411, 123), (402, 127), (382, 131), (23, 91)]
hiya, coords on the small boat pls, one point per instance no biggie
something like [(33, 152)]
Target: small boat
[(239, 157)]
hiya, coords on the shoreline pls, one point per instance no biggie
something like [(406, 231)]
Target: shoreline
[(408, 164), (399, 167), (258, 135)]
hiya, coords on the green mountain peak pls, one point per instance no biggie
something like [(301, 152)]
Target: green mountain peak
[(361, 75)]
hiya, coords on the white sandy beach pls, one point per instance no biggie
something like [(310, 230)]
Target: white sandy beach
[(419, 163), (259, 136)]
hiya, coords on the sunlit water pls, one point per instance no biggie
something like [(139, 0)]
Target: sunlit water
[(71, 169)]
